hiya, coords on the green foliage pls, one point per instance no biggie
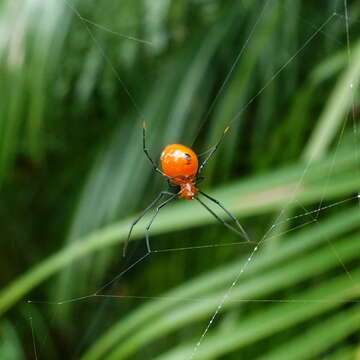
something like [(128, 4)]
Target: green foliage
[(79, 77)]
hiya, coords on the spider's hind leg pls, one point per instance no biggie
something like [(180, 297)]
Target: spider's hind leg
[(147, 229), (240, 230), (173, 187), (141, 216)]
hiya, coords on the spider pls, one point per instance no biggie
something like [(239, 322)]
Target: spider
[(180, 166)]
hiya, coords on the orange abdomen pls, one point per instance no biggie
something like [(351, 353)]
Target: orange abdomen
[(179, 162)]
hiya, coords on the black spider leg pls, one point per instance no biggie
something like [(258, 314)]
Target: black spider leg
[(147, 229), (200, 179), (212, 151), (171, 184), (217, 202), (221, 221), (141, 216), (146, 151)]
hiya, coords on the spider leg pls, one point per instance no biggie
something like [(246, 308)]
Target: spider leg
[(212, 151), (171, 185), (205, 152), (200, 179), (147, 229), (239, 231), (146, 151), (217, 202), (141, 216)]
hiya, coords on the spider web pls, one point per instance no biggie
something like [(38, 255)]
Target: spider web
[(311, 217)]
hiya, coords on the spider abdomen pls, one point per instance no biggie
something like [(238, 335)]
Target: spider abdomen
[(180, 163)]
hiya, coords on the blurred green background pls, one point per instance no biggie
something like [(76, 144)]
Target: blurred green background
[(77, 79)]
